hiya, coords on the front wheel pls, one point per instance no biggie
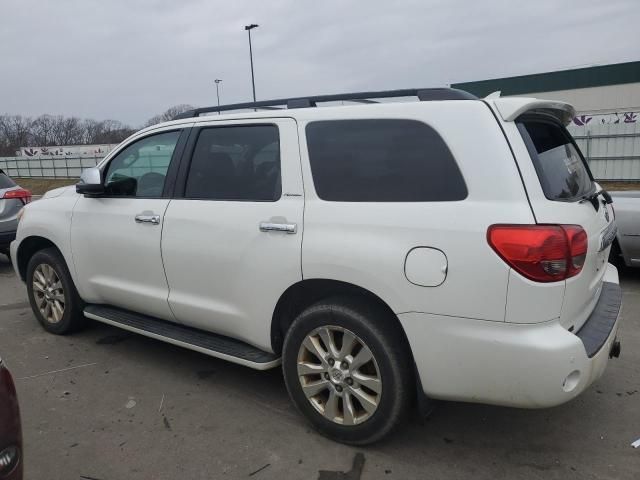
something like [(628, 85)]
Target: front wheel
[(348, 370), (52, 294)]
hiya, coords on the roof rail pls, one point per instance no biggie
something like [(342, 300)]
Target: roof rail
[(423, 94)]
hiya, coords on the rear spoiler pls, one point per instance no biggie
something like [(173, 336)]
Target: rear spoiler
[(511, 108)]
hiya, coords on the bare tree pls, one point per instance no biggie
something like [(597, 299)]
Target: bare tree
[(91, 129), (43, 130), (168, 114), (16, 131), (112, 131), (67, 131)]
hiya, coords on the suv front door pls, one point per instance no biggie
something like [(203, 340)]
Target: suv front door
[(115, 237), (232, 237)]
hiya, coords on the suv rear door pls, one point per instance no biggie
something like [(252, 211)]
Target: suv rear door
[(559, 183)]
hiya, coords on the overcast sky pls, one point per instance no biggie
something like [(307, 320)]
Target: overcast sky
[(130, 59)]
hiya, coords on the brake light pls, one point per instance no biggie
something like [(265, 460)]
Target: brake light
[(578, 245), (20, 193), (542, 253)]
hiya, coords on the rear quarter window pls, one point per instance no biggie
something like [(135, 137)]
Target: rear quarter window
[(562, 171), (382, 161), (5, 181)]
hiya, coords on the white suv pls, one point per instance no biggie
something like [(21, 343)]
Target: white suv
[(385, 253)]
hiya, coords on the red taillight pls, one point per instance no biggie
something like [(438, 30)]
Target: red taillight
[(578, 244), (20, 193), (543, 253)]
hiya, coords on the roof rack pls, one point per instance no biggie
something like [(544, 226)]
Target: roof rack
[(423, 94)]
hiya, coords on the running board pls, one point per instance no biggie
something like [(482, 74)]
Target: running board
[(204, 342)]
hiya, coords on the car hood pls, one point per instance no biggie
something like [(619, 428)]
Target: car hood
[(58, 192)]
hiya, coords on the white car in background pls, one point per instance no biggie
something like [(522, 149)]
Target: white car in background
[(626, 248), (12, 199), (454, 248)]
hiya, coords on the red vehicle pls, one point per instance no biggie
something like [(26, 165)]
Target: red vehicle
[(10, 431)]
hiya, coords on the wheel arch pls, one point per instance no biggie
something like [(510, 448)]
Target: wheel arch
[(309, 291), (29, 246), (618, 253)]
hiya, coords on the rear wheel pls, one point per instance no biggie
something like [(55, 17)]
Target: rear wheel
[(348, 370), (52, 294)]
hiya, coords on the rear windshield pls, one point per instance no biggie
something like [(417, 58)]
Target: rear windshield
[(563, 173), (5, 182)]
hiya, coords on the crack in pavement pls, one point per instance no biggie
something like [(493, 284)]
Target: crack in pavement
[(14, 306)]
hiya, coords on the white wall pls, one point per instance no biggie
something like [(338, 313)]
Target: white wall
[(613, 150)]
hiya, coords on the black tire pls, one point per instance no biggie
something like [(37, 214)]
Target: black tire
[(72, 318), (384, 338)]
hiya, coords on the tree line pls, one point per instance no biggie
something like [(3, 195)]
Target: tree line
[(54, 130)]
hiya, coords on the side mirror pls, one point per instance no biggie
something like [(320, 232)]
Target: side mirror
[(90, 182)]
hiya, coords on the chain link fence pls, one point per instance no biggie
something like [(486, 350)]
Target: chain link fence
[(47, 167)]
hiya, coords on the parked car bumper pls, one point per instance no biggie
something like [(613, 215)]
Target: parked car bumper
[(13, 252), (10, 429), (6, 238), (520, 365)]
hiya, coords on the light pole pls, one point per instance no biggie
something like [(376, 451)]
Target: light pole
[(218, 81), (248, 28)]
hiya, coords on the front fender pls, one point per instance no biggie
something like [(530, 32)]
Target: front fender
[(48, 219)]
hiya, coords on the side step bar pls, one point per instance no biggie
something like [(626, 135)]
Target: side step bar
[(204, 342)]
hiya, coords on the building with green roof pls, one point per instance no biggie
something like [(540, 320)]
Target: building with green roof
[(607, 101), (600, 89)]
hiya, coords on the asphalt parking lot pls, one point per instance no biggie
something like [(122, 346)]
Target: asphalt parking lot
[(123, 406)]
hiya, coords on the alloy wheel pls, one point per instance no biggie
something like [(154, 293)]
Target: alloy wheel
[(48, 293), (339, 375)]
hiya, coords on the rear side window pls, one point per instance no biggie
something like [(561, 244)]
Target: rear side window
[(236, 163), (382, 161), (563, 173), (6, 182)]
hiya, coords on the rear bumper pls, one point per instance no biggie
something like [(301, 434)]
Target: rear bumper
[(520, 365), (597, 329)]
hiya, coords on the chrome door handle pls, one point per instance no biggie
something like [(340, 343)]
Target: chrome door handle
[(152, 219), (278, 227)]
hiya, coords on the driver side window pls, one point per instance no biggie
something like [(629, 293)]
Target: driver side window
[(140, 170)]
